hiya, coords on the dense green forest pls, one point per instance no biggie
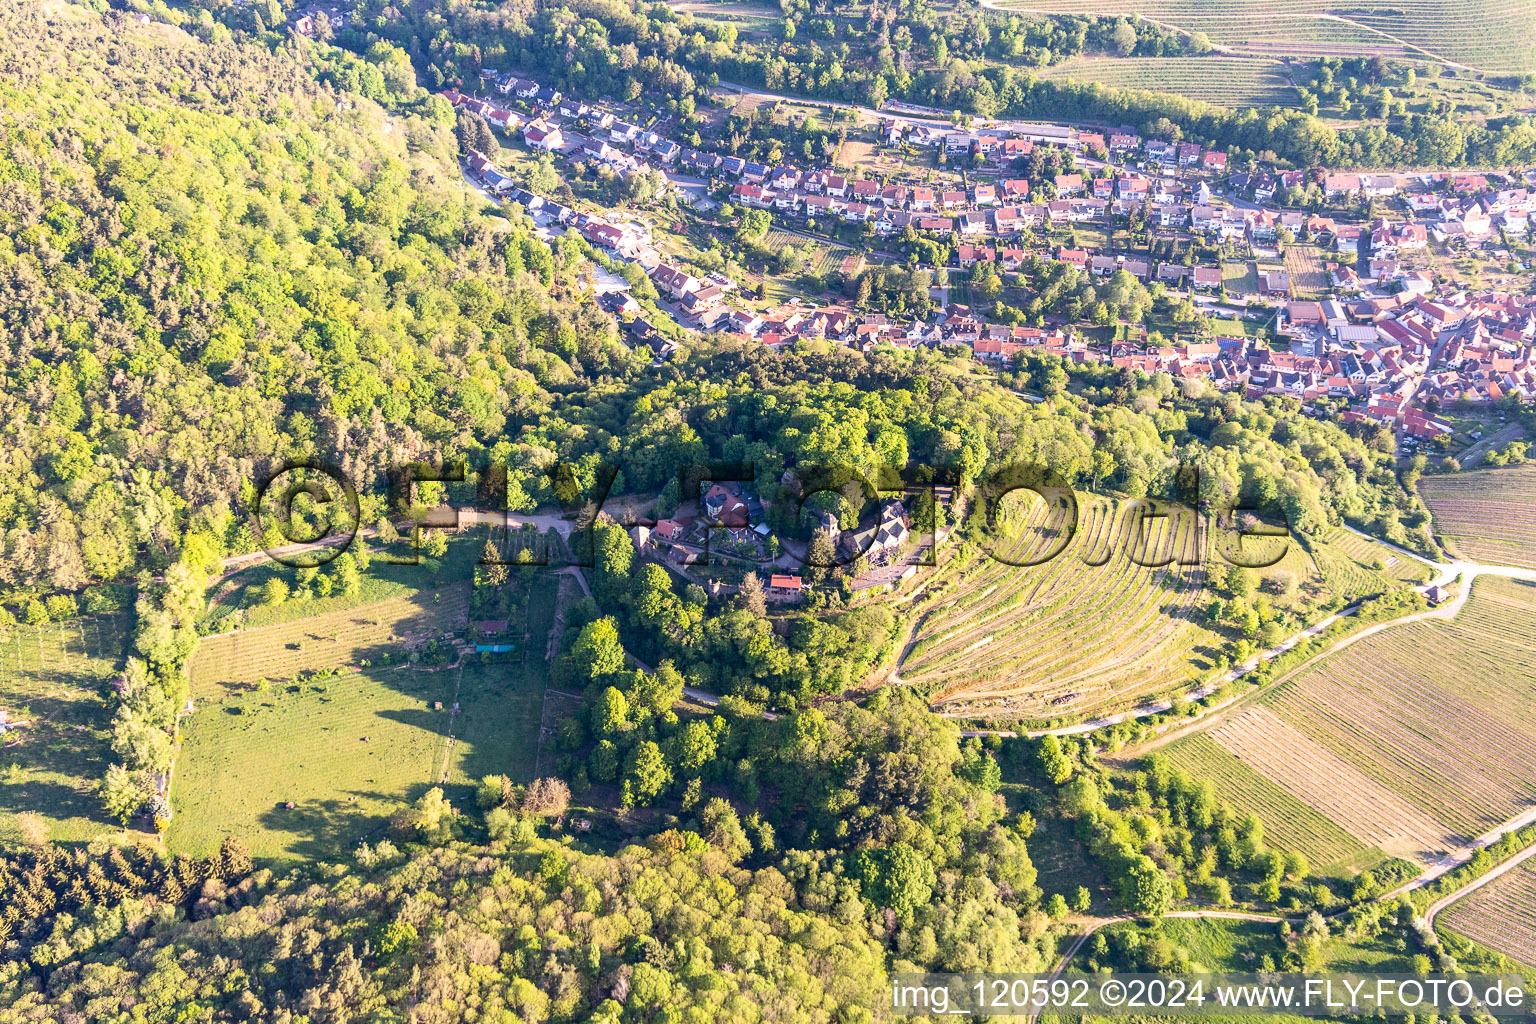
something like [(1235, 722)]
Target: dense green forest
[(212, 260)]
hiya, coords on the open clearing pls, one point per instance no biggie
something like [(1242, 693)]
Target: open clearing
[(50, 676), (1236, 82), (244, 758), (1490, 36), (348, 750), (1413, 741), (1488, 515), (1501, 915)]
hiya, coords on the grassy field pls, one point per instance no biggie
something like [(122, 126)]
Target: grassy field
[(1501, 915), (348, 750), (1240, 278), (236, 601), (747, 16), (1483, 35), (1353, 565), (50, 678), (334, 639), (1236, 82), (1233, 946), (1094, 629), (1411, 741), (1488, 515)]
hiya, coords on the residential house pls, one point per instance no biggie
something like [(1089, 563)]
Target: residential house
[(1016, 188), (1206, 279), (784, 589), (544, 136), (1275, 282)]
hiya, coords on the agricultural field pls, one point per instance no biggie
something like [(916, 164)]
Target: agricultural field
[(50, 682), (348, 748), (1488, 37), (1352, 565), (1236, 82), (1309, 277), (1094, 629), (335, 639), (1289, 824), (1411, 742), (1501, 915), (1488, 515)]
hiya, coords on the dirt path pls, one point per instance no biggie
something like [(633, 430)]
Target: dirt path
[(453, 717), (1495, 873), (1447, 572), (1456, 858), (1093, 924)]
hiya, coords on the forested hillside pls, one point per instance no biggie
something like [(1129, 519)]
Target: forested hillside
[(211, 260), (709, 917), (220, 253)]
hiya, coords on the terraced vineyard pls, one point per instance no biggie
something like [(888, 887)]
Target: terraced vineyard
[(1095, 628), (1235, 82), (1073, 633), (1411, 741), (1487, 36), (1488, 515), (1501, 915), (1353, 565)]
